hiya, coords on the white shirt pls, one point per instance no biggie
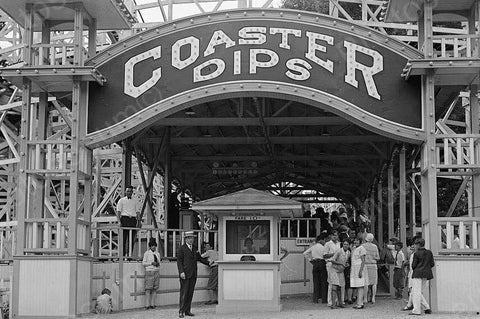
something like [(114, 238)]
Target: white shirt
[(331, 247), (148, 259), (127, 207), (315, 252)]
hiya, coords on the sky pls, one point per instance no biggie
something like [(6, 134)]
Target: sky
[(183, 10)]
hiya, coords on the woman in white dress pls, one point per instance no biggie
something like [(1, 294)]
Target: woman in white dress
[(358, 272)]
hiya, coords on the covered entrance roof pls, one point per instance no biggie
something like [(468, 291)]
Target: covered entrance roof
[(251, 98), (230, 144)]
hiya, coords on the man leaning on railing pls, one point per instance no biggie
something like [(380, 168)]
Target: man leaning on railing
[(128, 211)]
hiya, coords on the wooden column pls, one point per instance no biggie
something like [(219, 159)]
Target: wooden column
[(403, 194), (126, 164), (429, 173), (413, 208), (390, 203), (380, 212), (474, 118), (372, 211), (391, 229), (167, 178), (92, 38), (41, 131)]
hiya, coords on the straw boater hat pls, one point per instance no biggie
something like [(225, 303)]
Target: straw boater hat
[(189, 234), (369, 237)]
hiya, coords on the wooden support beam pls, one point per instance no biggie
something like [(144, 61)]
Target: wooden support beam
[(380, 212), (306, 170), (258, 158), (390, 202), (253, 121), (475, 129), (274, 139), (403, 197), (167, 177), (429, 156)]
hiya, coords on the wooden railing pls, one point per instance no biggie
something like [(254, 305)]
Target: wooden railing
[(55, 54), (457, 151), (46, 235), (299, 227), (108, 241), (7, 243), (457, 45), (460, 235)]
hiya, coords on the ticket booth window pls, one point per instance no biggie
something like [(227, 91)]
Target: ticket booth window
[(248, 237)]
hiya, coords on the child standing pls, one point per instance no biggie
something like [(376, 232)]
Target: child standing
[(104, 302), (398, 274)]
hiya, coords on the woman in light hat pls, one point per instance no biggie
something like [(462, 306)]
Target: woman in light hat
[(371, 259)]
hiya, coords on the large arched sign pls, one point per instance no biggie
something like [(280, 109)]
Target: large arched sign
[(348, 69)]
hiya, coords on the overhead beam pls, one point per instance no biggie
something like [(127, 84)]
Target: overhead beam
[(251, 121), (281, 169), (238, 158), (275, 140)]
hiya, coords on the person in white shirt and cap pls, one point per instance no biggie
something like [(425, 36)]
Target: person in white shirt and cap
[(128, 212), (151, 261)]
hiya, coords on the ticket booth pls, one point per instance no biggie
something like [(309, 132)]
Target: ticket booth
[(248, 244)]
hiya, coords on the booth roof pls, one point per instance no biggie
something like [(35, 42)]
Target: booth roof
[(250, 199)]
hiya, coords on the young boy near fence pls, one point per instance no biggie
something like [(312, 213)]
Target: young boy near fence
[(104, 302), (398, 274)]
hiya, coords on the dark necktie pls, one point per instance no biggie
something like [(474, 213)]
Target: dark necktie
[(155, 258)]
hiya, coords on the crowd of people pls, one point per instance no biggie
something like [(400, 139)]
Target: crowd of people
[(346, 259), (347, 262)]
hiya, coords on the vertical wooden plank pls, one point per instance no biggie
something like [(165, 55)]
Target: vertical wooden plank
[(474, 235), (34, 235), (459, 149), (92, 38), (391, 231), (462, 234), (449, 231), (403, 197), (475, 148), (380, 212), (446, 152), (167, 178)]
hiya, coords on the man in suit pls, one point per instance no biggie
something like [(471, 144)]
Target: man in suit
[(422, 265), (187, 257)]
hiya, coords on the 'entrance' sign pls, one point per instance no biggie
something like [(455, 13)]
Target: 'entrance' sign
[(360, 70)]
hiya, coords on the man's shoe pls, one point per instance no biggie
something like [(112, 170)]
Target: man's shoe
[(181, 315), (215, 302), (428, 311), (189, 314), (406, 308)]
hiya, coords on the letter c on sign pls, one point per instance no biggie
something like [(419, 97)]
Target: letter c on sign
[(129, 87)]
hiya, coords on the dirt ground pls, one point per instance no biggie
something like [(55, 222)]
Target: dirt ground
[(293, 307)]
